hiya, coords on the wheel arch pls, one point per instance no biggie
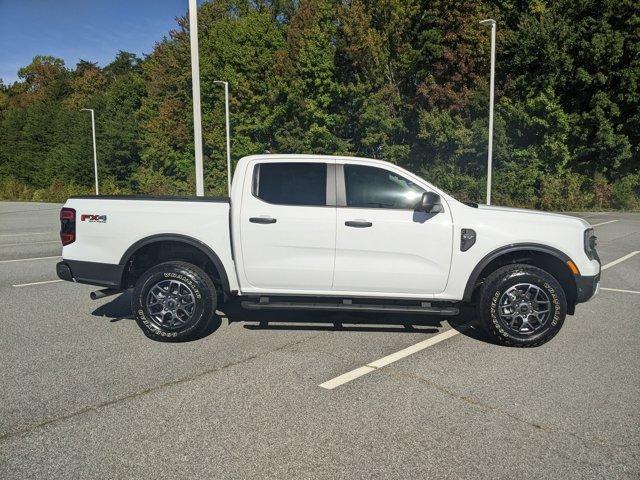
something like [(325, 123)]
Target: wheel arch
[(183, 240), (548, 258)]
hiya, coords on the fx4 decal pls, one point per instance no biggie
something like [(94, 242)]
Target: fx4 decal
[(93, 218)]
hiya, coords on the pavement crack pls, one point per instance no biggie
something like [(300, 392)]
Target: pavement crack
[(146, 391), (488, 407)]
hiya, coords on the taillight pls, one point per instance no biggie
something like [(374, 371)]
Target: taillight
[(67, 226)]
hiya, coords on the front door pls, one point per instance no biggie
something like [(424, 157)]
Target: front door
[(288, 225), (382, 243)]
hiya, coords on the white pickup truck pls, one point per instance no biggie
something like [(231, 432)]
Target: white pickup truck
[(330, 233)]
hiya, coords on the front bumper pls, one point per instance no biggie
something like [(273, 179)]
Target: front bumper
[(586, 287), (92, 273)]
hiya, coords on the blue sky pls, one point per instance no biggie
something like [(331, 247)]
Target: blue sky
[(93, 30)]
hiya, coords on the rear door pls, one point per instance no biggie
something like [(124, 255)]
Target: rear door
[(382, 243), (288, 225)]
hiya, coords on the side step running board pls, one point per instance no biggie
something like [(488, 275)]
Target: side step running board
[(262, 304)]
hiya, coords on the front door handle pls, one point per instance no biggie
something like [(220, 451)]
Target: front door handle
[(262, 220), (358, 223)]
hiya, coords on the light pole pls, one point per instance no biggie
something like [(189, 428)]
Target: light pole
[(95, 156), (490, 23), (195, 83), (226, 116)]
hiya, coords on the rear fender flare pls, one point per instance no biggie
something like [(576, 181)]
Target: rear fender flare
[(174, 237)]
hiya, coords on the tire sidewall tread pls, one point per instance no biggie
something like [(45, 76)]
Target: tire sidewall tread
[(503, 278), (203, 290)]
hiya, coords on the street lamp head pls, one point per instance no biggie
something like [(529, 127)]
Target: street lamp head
[(86, 109), (220, 81), (489, 22)]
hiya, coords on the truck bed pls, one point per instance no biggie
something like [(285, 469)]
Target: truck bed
[(108, 230), (159, 198)]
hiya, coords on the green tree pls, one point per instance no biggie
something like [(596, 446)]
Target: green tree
[(401, 80)]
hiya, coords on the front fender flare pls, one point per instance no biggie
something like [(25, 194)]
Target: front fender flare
[(514, 247)]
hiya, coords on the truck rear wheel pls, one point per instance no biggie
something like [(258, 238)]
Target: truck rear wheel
[(522, 306), (174, 301)]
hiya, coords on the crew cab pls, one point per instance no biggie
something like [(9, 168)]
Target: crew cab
[(330, 233)]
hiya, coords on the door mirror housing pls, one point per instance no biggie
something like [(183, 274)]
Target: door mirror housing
[(430, 203)]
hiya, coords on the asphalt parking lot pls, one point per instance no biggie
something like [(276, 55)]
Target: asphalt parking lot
[(86, 395)]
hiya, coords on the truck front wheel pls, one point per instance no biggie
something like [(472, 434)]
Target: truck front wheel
[(173, 301), (522, 305)]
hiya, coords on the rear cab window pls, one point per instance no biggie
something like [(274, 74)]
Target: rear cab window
[(291, 183)]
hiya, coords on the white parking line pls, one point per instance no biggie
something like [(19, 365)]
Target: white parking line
[(604, 223), (27, 234), (346, 377), (26, 243), (36, 283), (621, 259), (618, 290), (384, 361), (27, 259)]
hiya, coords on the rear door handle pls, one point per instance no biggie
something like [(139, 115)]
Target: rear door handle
[(358, 223), (262, 220)]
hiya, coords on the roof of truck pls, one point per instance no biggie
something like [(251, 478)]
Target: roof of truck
[(305, 156)]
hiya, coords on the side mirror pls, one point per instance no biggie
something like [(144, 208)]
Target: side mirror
[(430, 203)]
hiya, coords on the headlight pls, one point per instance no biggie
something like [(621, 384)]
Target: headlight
[(590, 244)]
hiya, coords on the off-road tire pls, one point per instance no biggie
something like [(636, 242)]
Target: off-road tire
[(194, 280), (507, 277)]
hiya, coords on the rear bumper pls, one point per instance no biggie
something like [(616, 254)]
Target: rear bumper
[(91, 273), (586, 287)]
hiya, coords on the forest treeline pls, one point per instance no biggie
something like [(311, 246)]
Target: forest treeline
[(402, 80)]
